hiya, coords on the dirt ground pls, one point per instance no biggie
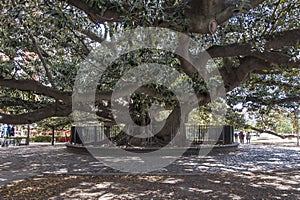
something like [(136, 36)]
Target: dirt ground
[(271, 185), (274, 184)]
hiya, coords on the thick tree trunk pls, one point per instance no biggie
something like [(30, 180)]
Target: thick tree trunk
[(171, 127), (166, 135)]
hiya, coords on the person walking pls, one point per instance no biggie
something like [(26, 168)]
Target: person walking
[(8, 131), (4, 128), (248, 137), (236, 137), (2, 131), (241, 137), (12, 131)]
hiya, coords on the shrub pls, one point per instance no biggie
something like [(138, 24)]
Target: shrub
[(47, 138)]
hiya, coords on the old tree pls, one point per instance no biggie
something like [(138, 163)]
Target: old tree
[(255, 44)]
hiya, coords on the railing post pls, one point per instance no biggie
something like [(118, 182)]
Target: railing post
[(52, 138), (297, 124), (28, 134)]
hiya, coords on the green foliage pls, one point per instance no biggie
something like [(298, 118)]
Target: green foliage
[(45, 41), (48, 27), (200, 116), (42, 138), (278, 119), (46, 138), (59, 123)]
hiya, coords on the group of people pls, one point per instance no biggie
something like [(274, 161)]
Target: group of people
[(241, 137), (7, 130)]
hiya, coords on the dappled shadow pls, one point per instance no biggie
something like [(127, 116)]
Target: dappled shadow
[(253, 158), (244, 174), (19, 163), (275, 185)]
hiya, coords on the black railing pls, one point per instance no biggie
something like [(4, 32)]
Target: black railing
[(197, 134)]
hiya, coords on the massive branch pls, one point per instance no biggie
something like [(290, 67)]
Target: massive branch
[(53, 110), (252, 60), (273, 42), (19, 102), (34, 86), (199, 16)]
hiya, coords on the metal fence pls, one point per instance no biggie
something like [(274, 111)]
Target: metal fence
[(197, 134)]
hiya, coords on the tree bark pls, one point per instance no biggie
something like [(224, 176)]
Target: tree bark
[(163, 137)]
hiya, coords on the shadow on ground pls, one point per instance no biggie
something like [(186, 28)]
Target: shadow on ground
[(274, 185), (253, 172)]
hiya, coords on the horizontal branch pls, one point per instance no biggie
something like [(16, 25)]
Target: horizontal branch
[(281, 39), (53, 110), (270, 132), (252, 61), (18, 102), (199, 15), (276, 41), (34, 86), (277, 58), (111, 14)]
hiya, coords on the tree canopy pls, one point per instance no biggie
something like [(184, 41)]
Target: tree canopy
[(255, 44)]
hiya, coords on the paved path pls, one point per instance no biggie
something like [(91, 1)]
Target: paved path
[(21, 162)]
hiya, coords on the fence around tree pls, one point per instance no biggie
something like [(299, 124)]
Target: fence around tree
[(196, 134)]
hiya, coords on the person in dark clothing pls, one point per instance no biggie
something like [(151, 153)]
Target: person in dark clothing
[(8, 131), (248, 138), (236, 137), (12, 131), (242, 137)]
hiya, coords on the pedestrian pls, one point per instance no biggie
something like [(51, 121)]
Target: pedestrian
[(2, 131), (12, 131), (248, 138), (8, 131), (4, 128), (236, 137), (241, 137)]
